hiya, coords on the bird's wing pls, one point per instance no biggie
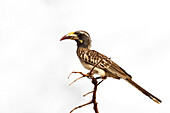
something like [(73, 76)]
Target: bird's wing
[(92, 57)]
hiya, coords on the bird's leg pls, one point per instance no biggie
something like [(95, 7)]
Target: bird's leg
[(101, 77), (98, 77)]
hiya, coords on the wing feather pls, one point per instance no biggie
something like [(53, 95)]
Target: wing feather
[(92, 57)]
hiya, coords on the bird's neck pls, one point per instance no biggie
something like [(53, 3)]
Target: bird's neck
[(85, 44), (82, 46)]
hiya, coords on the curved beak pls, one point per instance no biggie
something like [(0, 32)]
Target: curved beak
[(71, 36)]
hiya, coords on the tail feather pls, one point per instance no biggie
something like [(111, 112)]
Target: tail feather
[(155, 99)]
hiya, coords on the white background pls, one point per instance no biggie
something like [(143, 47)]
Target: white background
[(34, 64)]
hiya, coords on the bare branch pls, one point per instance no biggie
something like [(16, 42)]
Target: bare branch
[(76, 80), (76, 72), (95, 83), (81, 106), (87, 93)]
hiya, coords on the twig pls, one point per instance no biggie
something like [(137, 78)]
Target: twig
[(84, 75), (95, 83), (81, 106), (76, 80), (76, 72), (87, 93), (93, 91), (100, 82)]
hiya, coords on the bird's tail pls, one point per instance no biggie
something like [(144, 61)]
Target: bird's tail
[(155, 99)]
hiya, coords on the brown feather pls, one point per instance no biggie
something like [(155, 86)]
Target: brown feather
[(155, 99), (111, 69), (92, 57)]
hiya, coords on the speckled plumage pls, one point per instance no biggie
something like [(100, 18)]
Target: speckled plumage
[(106, 67), (92, 57)]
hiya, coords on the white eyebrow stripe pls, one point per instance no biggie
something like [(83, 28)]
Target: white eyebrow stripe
[(84, 33)]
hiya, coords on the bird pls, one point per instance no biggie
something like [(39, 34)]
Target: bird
[(105, 67)]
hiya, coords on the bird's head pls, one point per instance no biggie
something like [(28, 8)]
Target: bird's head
[(81, 37)]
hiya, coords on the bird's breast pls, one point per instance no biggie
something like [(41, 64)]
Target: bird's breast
[(95, 71)]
